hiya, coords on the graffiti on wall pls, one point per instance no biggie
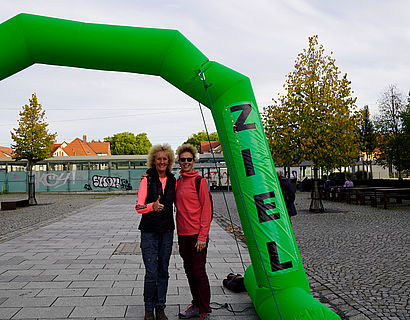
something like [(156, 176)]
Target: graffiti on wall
[(109, 182), (212, 177), (54, 180)]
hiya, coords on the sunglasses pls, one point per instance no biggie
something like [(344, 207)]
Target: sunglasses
[(186, 159)]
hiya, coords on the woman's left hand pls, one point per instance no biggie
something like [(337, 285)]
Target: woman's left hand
[(200, 245)]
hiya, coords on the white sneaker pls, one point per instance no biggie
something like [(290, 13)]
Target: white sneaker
[(190, 312)]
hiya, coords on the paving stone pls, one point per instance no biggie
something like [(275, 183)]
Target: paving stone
[(62, 292), (28, 302), (98, 311), (6, 278), (43, 312), (91, 284), (8, 313), (79, 301), (108, 292), (46, 285), (36, 278)]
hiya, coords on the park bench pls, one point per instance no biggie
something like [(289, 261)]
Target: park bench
[(384, 195), (12, 205)]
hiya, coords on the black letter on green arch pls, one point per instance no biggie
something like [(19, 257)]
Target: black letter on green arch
[(262, 207), (247, 161), (240, 123), (274, 258)]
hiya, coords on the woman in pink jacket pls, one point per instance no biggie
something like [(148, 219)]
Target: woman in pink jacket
[(193, 221)]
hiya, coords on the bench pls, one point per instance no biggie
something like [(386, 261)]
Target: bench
[(385, 194), (12, 205)]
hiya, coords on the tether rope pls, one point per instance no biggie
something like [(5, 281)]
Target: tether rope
[(202, 77), (220, 183)]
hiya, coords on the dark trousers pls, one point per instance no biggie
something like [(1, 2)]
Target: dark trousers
[(194, 265), (156, 250)]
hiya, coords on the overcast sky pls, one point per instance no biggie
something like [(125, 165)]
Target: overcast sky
[(259, 38)]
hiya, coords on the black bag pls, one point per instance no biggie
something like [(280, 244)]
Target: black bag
[(234, 282)]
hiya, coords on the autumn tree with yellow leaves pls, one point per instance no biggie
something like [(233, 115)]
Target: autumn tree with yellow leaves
[(32, 140), (316, 119)]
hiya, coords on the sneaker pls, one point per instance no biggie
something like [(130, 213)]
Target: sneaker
[(204, 316), (149, 315), (190, 312), (160, 314)]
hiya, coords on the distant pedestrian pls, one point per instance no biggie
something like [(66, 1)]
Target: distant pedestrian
[(289, 194), (348, 183)]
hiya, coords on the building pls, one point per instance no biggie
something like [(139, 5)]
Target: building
[(5, 152), (206, 147), (79, 147)]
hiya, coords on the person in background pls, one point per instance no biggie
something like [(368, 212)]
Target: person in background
[(348, 183), (288, 192), (193, 220), (156, 196)]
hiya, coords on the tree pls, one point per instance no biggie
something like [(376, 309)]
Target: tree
[(143, 144), (405, 116), (196, 138), (368, 139), (390, 128), (32, 140), (128, 143), (315, 120)]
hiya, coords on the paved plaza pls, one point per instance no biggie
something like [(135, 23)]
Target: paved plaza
[(87, 265), (67, 269)]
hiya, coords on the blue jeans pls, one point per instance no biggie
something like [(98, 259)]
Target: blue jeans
[(156, 250)]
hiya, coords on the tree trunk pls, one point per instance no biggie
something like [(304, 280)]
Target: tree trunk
[(363, 166), (316, 204), (31, 188), (371, 170)]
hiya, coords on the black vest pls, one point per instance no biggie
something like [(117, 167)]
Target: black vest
[(159, 221)]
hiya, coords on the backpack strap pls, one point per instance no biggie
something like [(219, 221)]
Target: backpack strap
[(198, 183)]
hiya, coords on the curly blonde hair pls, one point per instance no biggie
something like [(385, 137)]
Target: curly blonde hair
[(188, 148), (158, 148)]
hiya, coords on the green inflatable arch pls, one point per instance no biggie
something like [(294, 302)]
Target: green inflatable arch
[(276, 280)]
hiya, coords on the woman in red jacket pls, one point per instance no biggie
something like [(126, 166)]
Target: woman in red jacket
[(193, 221)]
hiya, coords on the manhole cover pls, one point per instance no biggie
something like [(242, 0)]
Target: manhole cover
[(134, 248)]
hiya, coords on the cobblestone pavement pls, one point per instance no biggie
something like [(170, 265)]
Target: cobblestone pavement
[(356, 257)]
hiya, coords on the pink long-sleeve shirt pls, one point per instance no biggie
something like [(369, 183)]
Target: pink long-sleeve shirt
[(141, 207), (194, 211)]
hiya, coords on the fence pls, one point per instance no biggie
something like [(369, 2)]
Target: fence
[(76, 180), (97, 180)]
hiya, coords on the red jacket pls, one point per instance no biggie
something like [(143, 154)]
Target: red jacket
[(193, 212)]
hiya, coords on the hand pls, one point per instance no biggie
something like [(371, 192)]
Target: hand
[(200, 245), (144, 175), (158, 206)]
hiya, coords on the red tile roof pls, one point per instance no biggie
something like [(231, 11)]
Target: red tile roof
[(100, 147), (79, 147), (216, 147), (6, 152)]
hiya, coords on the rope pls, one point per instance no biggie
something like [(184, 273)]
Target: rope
[(220, 183), (228, 307), (202, 77)]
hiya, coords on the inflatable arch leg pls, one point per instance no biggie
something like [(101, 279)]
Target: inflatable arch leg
[(276, 280)]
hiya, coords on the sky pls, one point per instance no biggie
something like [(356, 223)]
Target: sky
[(370, 40)]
